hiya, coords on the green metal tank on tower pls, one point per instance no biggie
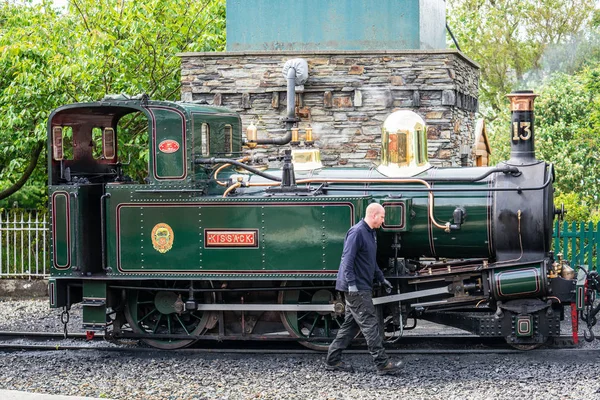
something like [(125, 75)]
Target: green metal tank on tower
[(310, 25)]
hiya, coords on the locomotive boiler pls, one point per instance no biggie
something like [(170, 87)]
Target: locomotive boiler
[(216, 245)]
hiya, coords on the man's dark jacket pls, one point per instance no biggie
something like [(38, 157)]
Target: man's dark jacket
[(359, 265)]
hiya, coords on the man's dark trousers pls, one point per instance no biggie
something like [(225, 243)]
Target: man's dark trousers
[(360, 314)]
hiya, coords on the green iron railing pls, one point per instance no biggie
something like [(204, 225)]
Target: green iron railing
[(578, 242)]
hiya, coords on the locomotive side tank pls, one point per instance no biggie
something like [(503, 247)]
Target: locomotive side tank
[(216, 245)]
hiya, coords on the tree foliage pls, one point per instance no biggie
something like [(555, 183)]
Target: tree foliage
[(552, 47), (508, 38), (567, 134), (92, 48), (564, 137)]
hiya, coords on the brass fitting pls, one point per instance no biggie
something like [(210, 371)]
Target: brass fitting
[(567, 272), (295, 137), (251, 135), (308, 140)]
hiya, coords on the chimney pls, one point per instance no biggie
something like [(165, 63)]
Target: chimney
[(522, 147)]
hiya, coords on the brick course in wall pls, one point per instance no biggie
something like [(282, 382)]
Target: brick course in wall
[(346, 98)]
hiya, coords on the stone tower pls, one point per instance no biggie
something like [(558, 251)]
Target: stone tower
[(365, 60)]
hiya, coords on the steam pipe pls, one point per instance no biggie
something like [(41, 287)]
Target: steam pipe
[(222, 167), (237, 163), (437, 189), (506, 170), (232, 188)]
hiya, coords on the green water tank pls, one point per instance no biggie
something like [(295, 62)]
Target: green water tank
[(314, 25)]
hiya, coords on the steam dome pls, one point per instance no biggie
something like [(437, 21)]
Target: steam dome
[(403, 145)]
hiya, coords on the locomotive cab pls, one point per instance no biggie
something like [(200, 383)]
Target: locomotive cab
[(89, 151), (91, 143), (91, 146), (84, 157)]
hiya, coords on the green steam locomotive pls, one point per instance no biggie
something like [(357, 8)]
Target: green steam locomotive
[(216, 245)]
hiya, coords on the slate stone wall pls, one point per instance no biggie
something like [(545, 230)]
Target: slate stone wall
[(346, 98)]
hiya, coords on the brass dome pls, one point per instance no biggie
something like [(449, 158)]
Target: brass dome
[(403, 144)]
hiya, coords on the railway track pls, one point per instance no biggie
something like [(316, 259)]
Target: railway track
[(432, 344)]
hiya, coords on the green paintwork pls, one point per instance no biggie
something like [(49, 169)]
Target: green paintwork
[(397, 215), (524, 325), (295, 235), (94, 289), (290, 237), (472, 240), (94, 305), (298, 237), (169, 128), (425, 239), (56, 294), (525, 280), (76, 209), (61, 245)]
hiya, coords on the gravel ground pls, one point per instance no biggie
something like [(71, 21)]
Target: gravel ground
[(550, 374), (35, 315), (533, 375)]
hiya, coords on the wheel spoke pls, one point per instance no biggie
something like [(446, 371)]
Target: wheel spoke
[(157, 323), (303, 315), (312, 328), (195, 316), (147, 315), (181, 323), (308, 324), (337, 321)]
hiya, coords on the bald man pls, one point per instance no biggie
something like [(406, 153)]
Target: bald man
[(358, 269)]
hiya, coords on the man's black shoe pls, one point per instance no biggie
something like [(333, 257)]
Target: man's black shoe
[(341, 366), (390, 368)]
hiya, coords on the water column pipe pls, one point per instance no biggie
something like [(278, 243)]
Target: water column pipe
[(296, 73)]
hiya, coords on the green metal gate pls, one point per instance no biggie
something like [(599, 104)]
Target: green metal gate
[(578, 242)]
